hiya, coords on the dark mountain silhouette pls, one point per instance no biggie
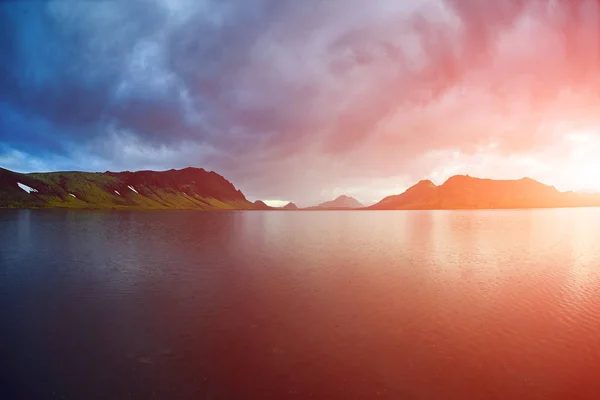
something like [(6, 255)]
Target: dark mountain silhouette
[(340, 203), (189, 188), (465, 192), (290, 206)]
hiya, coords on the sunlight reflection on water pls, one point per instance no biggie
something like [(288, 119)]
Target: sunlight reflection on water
[(426, 304)]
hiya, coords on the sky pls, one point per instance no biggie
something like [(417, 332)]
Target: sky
[(305, 100)]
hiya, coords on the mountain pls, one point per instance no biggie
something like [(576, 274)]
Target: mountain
[(290, 206), (196, 188), (465, 192), (189, 188), (341, 202), (412, 195), (261, 205)]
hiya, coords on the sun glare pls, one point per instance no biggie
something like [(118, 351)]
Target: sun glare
[(582, 167), (586, 176), (583, 164), (275, 203)]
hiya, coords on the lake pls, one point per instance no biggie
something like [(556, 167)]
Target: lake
[(340, 304)]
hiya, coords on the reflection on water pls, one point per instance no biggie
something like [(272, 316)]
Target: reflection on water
[(428, 304)]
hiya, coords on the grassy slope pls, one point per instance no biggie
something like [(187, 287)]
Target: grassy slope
[(97, 191)]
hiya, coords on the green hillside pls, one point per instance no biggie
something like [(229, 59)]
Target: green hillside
[(190, 188)]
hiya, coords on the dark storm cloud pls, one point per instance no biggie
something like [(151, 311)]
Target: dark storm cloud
[(56, 72)]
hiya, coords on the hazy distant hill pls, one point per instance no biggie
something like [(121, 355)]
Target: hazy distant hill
[(290, 206), (261, 205), (465, 192), (341, 202), (189, 188)]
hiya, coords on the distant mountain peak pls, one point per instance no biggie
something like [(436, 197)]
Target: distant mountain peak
[(459, 179), (261, 205), (425, 183), (421, 186), (342, 201), (290, 206)]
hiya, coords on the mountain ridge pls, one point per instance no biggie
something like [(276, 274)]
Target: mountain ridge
[(188, 188), (466, 192), (199, 189), (342, 202)]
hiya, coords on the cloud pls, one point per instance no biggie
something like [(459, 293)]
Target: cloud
[(297, 100)]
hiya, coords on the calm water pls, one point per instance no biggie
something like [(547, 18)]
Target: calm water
[(232, 305)]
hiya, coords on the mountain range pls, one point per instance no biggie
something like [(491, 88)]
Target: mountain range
[(466, 192), (196, 188)]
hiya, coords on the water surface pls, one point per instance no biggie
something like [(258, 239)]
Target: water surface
[(223, 305)]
